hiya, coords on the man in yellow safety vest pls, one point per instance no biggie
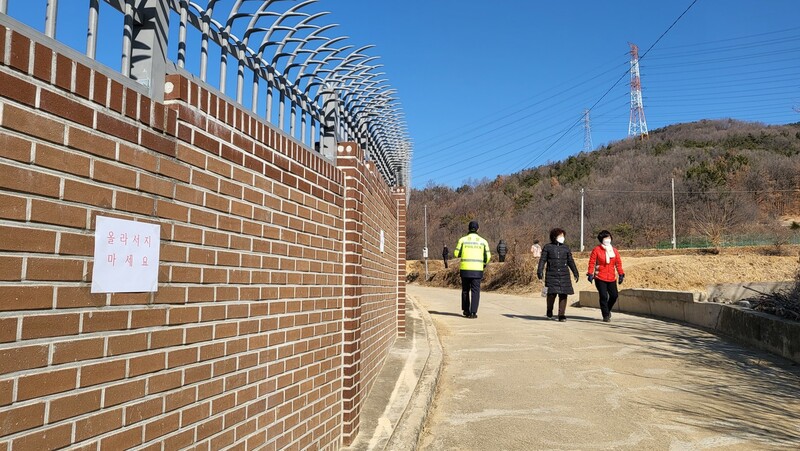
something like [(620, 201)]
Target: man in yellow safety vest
[(474, 254)]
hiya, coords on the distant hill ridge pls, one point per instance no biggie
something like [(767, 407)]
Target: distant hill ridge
[(731, 178)]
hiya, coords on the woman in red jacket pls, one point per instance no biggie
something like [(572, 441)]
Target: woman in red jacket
[(602, 265)]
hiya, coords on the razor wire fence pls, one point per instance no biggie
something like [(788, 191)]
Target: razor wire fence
[(280, 60)]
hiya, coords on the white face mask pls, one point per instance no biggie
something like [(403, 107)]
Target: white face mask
[(607, 242), (560, 239)]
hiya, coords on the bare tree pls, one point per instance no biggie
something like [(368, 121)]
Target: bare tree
[(712, 218)]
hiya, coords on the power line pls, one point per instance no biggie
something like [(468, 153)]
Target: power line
[(526, 165), (713, 95), (490, 157), (477, 145), (728, 48), (795, 190), (728, 72), (667, 30), (616, 82), (510, 123), (700, 109), (699, 44), (706, 87), (669, 77), (750, 56), (753, 99), (484, 122)]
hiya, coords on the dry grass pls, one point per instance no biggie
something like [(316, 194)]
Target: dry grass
[(516, 272), (688, 270)]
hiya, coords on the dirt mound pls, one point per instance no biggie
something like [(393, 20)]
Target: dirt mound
[(686, 270), (696, 272)]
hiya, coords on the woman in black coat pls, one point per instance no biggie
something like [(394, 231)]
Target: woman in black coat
[(558, 258)]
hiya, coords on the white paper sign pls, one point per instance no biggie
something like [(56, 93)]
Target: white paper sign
[(125, 256), (382, 241)]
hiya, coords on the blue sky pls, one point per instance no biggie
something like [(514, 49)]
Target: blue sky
[(491, 88)]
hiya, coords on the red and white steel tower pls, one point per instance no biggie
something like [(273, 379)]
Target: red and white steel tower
[(637, 124)]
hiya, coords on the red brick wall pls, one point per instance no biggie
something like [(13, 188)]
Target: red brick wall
[(400, 199), (244, 343), (378, 315), (371, 300)]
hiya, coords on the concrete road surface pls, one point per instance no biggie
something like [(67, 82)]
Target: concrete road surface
[(514, 380)]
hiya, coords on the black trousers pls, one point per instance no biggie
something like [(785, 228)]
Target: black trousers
[(562, 304), (470, 285), (608, 296)]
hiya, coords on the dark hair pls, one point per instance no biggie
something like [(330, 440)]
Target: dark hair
[(535, 241), (603, 235), (555, 233)]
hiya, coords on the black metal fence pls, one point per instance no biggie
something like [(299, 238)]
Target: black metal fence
[(274, 57)]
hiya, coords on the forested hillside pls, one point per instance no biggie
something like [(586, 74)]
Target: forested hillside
[(731, 179)]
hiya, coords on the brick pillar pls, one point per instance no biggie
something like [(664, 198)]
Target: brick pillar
[(350, 159), (399, 195)]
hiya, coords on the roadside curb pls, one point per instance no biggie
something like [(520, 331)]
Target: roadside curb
[(406, 434)]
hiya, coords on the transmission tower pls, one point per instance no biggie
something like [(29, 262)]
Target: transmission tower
[(637, 125), (587, 132)]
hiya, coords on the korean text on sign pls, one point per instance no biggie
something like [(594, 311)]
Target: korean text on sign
[(126, 256)]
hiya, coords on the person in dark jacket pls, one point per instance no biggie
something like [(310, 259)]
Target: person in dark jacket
[(502, 250), (445, 254), (557, 257), (605, 265)]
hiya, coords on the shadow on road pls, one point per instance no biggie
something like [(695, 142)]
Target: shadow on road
[(755, 399), (434, 312), (544, 318), (527, 317)]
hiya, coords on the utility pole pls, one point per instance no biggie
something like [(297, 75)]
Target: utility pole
[(582, 196), (425, 249), (674, 238)]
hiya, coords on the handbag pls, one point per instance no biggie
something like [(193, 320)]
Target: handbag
[(544, 291)]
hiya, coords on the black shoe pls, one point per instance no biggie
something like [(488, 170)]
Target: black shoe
[(466, 314), (549, 315), (606, 319), (562, 318), (473, 315)]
